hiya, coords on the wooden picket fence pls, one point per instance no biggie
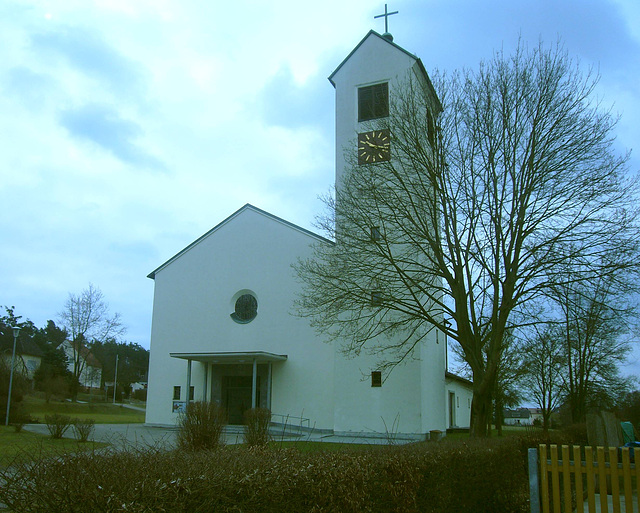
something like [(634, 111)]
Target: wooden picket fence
[(573, 477)]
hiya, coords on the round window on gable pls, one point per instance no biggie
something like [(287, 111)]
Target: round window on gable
[(246, 309)]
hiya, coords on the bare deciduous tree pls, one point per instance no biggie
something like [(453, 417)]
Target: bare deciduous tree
[(544, 364), (86, 319), (521, 178), (595, 326)]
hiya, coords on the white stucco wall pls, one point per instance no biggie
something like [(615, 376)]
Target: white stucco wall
[(374, 61), (193, 300), (463, 394), (194, 295), (411, 399)]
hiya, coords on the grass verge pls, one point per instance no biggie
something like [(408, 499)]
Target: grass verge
[(101, 413), (25, 446)]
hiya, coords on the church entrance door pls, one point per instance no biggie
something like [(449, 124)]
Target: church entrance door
[(236, 396)]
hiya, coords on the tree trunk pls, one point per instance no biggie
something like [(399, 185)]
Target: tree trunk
[(498, 415), (480, 414)]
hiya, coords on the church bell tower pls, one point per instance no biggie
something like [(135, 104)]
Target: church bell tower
[(413, 394)]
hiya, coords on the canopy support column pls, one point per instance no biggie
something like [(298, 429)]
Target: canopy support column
[(188, 398), (254, 383), (269, 370), (205, 395)]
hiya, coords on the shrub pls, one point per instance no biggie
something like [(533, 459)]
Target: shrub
[(83, 429), (576, 434), (201, 426), (57, 424), (256, 422), (476, 476), (19, 419)]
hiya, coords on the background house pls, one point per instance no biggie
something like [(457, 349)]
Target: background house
[(28, 355), (90, 375)]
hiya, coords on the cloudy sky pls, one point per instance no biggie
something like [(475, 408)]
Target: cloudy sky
[(128, 128)]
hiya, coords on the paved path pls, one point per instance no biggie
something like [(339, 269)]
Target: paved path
[(121, 434), (623, 507), (141, 435)]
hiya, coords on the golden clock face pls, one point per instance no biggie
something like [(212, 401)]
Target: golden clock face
[(374, 146)]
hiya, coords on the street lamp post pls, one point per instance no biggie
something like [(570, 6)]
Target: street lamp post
[(16, 332), (115, 381)]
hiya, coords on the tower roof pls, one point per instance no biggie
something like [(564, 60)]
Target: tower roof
[(388, 40)]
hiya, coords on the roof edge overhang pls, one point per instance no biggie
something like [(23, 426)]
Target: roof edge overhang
[(455, 377), (395, 45), (232, 357), (247, 206), (370, 33)]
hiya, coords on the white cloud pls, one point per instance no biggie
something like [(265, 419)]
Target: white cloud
[(230, 101)]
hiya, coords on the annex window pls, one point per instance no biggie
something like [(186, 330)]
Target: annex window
[(373, 101), (376, 235), (376, 378), (191, 392), (176, 393), (376, 298)]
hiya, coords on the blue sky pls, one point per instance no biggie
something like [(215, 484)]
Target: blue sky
[(129, 129)]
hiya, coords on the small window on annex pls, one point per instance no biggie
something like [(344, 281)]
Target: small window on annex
[(176, 393), (376, 235), (191, 392), (376, 378), (373, 102)]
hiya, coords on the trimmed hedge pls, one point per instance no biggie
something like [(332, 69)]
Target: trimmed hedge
[(474, 476)]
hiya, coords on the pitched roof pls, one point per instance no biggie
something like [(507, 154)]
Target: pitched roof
[(24, 345), (520, 413), (247, 206), (373, 33), (455, 377)]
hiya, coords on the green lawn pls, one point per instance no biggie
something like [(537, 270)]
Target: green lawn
[(32, 446), (25, 446), (100, 412)]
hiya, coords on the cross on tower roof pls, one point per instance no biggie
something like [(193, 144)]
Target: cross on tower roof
[(386, 18)]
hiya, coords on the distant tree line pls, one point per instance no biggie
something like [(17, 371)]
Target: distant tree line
[(56, 374)]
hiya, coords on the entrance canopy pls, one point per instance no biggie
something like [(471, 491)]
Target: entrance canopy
[(237, 398), (230, 357)]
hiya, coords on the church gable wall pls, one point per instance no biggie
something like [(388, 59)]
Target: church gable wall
[(195, 296)]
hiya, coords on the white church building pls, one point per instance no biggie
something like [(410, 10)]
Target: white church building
[(224, 327)]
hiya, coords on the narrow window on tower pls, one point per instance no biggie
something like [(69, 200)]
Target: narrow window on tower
[(373, 102), (376, 298), (376, 236), (376, 378), (431, 129)]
